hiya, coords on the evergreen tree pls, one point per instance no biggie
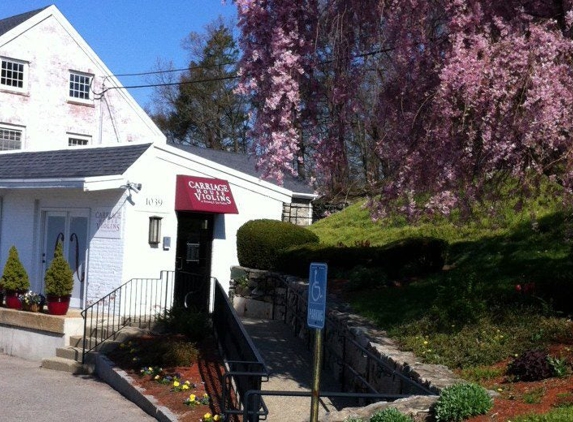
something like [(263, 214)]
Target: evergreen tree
[(59, 277), (202, 108), (14, 276)]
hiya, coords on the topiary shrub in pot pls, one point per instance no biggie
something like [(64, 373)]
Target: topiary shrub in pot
[(15, 280), (59, 282)]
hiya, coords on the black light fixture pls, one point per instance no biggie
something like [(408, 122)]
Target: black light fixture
[(154, 230)]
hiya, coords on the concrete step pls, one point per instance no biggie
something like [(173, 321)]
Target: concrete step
[(67, 365), (72, 353), (121, 336)]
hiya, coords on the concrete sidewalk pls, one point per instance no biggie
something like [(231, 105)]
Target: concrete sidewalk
[(290, 366), (30, 393)]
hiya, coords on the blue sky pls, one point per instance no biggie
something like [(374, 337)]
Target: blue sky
[(130, 35)]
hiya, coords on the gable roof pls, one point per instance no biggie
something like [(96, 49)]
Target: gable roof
[(245, 164), (70, 163), (9, 23)]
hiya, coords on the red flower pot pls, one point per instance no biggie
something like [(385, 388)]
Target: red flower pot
[(58, 305), (12, 299)]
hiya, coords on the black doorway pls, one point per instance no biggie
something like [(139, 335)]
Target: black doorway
[(193, 260)]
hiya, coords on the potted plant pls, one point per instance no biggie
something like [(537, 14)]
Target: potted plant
[(33, 302), (15, 279), (59, 282)]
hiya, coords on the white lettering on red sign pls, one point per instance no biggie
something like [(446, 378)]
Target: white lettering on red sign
[(211, 193)]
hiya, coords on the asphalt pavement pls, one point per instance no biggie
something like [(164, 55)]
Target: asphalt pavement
[(30, 393)]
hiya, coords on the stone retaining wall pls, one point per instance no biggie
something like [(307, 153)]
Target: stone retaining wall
[(263, 294)]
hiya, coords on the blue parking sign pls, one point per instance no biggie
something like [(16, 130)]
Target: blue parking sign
[(317, 295)]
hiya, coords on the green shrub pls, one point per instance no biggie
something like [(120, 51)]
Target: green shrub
[(461, 401), (532, 365), (362, 278), (390, 414), (14, 276), (192, 324), (167, 352), (259, 242), (405, 258), (59, 278), (459, 300)]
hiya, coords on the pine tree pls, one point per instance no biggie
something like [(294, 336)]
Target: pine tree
[(14, 276), (59, 277)]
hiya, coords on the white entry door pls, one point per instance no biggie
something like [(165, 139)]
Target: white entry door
[(70, 228)]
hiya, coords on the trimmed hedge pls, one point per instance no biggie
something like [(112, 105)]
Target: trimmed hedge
[(404, 258), (260, 241)]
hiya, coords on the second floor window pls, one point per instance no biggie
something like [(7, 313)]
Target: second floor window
[(10, 139), (12, 74), (80, 84), (76, 141)]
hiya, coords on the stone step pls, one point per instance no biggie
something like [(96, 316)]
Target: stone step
[(67, 365)]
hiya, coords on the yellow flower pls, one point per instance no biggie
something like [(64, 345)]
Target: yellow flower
[(425, 342), (192, 397), (157, 377), (207, 416), (185, 387), (187, 382), (216, 418), (206, 395), (175, 383)]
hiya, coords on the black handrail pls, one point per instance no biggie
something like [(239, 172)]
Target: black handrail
[(246, 369), (139, 301)]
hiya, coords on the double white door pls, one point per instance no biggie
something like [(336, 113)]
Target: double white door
[(71, 228)]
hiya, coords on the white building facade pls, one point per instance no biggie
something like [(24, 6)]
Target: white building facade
[(83, 164)]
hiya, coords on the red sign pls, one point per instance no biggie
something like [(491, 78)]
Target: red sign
[(204, 195)]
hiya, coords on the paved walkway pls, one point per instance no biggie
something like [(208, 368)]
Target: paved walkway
[(290, 366), (30, 393)]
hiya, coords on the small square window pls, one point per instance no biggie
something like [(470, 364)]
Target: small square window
[(80, 86), (10, 139), (13, 74)]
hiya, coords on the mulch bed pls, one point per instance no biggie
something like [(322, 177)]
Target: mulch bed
[(204, 377)]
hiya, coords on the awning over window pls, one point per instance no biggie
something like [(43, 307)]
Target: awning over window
[(202, 194)]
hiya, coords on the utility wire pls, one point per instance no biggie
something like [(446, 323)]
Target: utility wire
[(156, 72), (100, 94), (370, 53)]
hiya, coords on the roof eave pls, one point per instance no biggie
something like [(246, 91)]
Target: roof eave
[(85, 184)]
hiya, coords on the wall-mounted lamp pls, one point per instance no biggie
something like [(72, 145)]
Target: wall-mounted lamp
[(136, 187), (154, 230)]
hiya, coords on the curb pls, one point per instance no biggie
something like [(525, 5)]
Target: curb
[(120, 381)]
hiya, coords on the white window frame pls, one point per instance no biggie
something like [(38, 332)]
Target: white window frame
[(83, 88), (84, 140), (25, 70), (14, 128)]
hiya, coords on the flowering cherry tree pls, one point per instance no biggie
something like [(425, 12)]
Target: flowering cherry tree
[(462, 100)]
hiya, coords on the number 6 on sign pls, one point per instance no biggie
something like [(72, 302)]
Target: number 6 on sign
[(317, 295)]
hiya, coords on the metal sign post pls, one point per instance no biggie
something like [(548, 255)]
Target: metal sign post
[(316, 313)]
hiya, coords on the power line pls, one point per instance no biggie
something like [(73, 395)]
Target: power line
[(196, 81), (156, 72), (370, 53)]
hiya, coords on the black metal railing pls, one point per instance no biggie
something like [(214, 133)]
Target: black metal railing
[(246, 369), (138, 302), (290, 306)]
